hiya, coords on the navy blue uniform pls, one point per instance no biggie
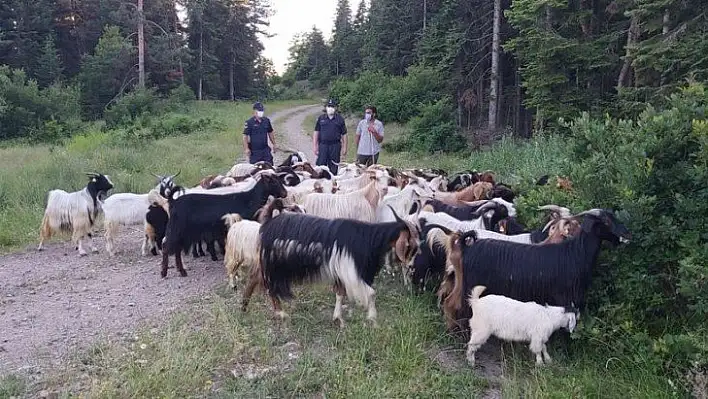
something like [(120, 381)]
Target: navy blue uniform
[(330, 140), (258, 132)]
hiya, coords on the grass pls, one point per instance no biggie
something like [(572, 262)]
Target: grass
[(213, 350)]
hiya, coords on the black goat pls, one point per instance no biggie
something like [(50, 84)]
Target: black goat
[(554, 274), (348, 253), (196, 217)]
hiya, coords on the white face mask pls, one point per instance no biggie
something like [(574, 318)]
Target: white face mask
[(330, 111), (367, 117), (259, 114)]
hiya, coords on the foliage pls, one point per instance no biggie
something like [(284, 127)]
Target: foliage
[(434, 130), (105, 74), (131, 106), (26, 109)]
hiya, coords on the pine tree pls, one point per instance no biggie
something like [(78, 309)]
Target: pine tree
[(49, 68), (341, 40)]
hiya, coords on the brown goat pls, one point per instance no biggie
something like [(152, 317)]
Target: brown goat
[(475, 192)]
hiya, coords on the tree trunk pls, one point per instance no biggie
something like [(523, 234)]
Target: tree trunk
[(141, 46), (493, 84), (425, 13), (632, 36), (231, 77), (201, 59), (665, 23)]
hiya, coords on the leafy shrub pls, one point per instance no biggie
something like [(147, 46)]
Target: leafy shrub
[(181, 95), (131, 106), (435, 130), (651, 303), (25, 109), (148, 128)]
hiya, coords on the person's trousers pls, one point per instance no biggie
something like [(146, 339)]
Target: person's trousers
[(261, 155), (367, 160), (329, 153)]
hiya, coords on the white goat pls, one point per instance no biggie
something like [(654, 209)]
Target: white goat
[(242, 242), (75, 212), (358, 205), (512, 320)]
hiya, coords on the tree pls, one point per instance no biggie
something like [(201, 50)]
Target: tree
[(108, 72), (49, 67), (341, 40)]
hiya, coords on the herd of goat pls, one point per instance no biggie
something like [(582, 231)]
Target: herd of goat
[(297, 222)]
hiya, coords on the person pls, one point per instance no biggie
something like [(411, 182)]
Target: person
[(369, 135), (329, 140), (256, 132)]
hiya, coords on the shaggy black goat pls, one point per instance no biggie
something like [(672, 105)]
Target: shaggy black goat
[(554, 274), (348, 253), (462, 180), (195, 217)]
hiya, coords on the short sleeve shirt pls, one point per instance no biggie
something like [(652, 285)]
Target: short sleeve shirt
[(258, 132), (367, 143), (331, 130)]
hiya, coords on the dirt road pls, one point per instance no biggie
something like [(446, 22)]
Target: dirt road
[(53, 302)]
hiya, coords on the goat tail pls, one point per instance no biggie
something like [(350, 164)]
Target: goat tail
[(231, 218), (175, 190), (476, 292)]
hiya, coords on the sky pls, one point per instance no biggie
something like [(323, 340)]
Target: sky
[(294, 16)]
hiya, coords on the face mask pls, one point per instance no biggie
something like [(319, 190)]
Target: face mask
[(367, 117), (330, 111), (259, 114)]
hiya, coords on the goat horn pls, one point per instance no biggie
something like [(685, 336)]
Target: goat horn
[(484, 207), (178, 172), (594, 212), (562, 211), (475, 203)]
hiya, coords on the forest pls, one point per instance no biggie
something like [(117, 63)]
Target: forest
[(612, 94)]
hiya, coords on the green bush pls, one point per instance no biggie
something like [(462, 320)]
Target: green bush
[(25, 109), (146, 127), (133, 105), (435, 130), (181, 96), (649, 300)]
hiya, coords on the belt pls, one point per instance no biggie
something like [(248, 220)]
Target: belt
[(329, 142)]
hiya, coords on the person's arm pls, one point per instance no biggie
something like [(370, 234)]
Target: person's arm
[(343, 138), (358, 134), (271, 134), (315, 138), (245, 140)]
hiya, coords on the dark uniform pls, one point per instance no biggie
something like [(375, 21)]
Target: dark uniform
[(258, 132), (330, 140)]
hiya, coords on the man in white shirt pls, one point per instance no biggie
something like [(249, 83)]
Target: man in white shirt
[(369, 135)]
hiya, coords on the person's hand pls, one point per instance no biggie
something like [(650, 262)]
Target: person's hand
[(248, 153), (316, 150), (344, 152), (372, 129)]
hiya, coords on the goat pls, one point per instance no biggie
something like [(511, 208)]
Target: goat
[(242, 242), (196, 217), (124, 209), (156, 219), (75, 212), (512, 320), (477, 191), (557, 274), (359, 205), (462, 180), (347, 253), (293, 158), (467, 210)]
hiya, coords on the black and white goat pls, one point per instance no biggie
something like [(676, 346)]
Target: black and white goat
[(198, 217), (556, 274), (347, 253), (75, 212)]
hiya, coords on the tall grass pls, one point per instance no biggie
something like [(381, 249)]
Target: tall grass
[(28, 173)]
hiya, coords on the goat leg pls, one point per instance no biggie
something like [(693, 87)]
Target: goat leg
[(178, 264), (165, 261), (212, 250)]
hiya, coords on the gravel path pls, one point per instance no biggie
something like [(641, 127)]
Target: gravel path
[(53, 302)]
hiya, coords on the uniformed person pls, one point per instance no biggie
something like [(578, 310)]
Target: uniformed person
[(330, 138), (256, 132)]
